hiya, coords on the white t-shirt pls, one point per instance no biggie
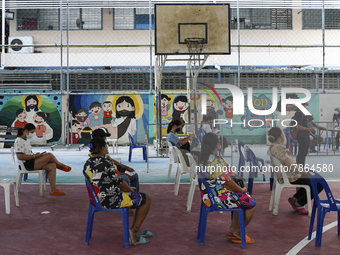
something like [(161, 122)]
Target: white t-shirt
[(23, 146)]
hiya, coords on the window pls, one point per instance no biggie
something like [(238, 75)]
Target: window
[(312, 19), (49, 19), (261, 18), (132, 18)]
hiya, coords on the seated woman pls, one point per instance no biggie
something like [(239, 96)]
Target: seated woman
[(182, 144), (227, 193), (37, 161), (112, 191), (295, 175)]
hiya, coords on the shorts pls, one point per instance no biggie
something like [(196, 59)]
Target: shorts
[(29, 164), (137, 198)]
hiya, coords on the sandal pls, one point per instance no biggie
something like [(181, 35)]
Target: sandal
[(58, 193), (65, 169), (231, 236), (146, 233), (248, 240)]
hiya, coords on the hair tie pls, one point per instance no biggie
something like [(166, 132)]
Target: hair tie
[(90, 145), (270, 136)]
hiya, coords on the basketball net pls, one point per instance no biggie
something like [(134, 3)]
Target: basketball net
[(195, 45)]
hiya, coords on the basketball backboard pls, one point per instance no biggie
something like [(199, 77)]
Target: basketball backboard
[(176, 22)]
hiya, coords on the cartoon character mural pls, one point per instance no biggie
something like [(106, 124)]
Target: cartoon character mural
[(228, 107), (75, 132), (211, 107), (43, 131), (20, 120), (125, 118), (32, 105), (180, 105), (261, 102), (44, 111), (107, 108), (165, 104), (96, 115), (82, 118)]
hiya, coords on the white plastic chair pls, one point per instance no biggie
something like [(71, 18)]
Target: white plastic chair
[(6, 184), (22, 170), (277, 188), (172, 158), (182, 169), (193, 180)]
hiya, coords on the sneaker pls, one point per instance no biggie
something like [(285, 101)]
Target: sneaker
[(300, 210)]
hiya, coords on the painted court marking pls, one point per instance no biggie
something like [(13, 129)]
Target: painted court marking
[(305, 241)]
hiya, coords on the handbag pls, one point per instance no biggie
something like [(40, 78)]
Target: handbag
[(240, 181)]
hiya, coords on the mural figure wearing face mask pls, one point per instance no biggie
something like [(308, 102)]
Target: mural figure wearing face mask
[(82, 118), (125, 119)]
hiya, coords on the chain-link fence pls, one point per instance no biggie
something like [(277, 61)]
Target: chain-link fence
[(109, 45)]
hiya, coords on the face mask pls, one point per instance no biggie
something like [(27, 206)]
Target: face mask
[(30, 135), (284, 140), (106, 155)]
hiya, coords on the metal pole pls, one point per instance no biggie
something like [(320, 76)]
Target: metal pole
[(323, 46), (150, 32), (68, 75), (61, 45), (238, 46), (3, 22)]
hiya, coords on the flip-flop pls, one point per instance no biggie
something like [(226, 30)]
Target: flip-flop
[(65, 169), (141, 240), (231, 236), (58, 193), (248, 240), (146, 233)]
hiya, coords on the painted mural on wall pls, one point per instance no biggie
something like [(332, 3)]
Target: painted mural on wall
[(119, 114), (41, 110)]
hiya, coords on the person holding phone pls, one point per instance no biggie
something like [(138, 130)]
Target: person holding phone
[(35, 161)]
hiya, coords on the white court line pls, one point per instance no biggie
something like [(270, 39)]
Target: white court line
[(304, 241)]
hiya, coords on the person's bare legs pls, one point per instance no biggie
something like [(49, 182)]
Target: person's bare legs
[(140, 215), (49, 158), (52, 172), (235, 224)]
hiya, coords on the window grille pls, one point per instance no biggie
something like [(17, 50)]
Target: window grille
[(312, 19), (261, 18), (132, 18)]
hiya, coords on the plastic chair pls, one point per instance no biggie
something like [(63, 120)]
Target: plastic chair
[(134, 146), (203, 185), (95, 206), (6, 184), (329, 139), (172, 158), (22, 170), (200, 134), (182, 169), (290, 142), (242, 158), (255, 164), (277, 188), (193, 180), (324, 206)]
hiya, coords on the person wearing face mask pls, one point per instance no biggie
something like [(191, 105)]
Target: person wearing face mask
[(336, 120), (303, 130), (295, 174), (112, 191), (182, 144), (35, 161)]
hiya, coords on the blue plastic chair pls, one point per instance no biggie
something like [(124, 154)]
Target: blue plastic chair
[(324, 206), (290, 142), (242, 159), (329, 139), (255, 164), (134, 146), (200, 134), (203, 185), (96, 207)]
